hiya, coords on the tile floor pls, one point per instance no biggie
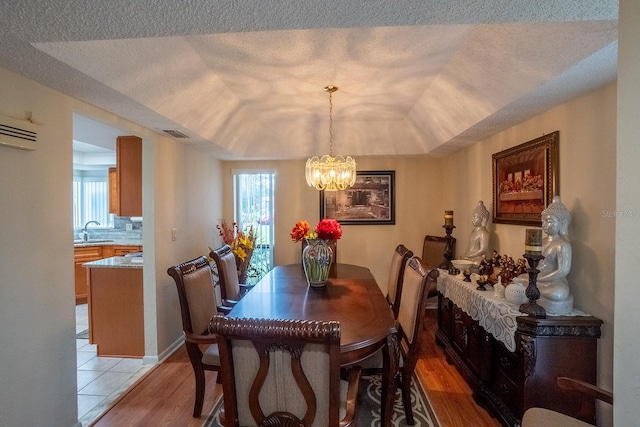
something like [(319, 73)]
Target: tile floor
[(100, 379)]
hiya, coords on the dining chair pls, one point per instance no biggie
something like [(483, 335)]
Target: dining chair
[(409, 323), (396, 272), (231, 289), (283, 372), (196, 293), (535, 416), (433, 249)]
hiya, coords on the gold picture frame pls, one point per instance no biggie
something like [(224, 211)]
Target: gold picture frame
[(525, 179)]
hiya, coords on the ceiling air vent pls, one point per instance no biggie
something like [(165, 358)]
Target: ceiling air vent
[(17, 133), (174, 133)]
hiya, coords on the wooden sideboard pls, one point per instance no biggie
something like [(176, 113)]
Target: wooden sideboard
[(506, 382)]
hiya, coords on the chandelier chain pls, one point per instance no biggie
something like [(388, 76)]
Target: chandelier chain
[(330, 124)]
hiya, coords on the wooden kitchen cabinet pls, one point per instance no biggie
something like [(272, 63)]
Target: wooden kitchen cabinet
[(128, 177), (119, 250), (113, 191), (82, 255), (116, 311)]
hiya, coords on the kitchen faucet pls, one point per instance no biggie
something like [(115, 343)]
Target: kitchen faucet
[(85, 233)]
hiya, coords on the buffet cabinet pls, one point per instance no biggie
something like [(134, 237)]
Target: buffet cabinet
[(507, 383)]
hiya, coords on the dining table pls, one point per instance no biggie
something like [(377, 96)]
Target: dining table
[(351, 296)]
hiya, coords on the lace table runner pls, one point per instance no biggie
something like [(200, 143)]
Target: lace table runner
[(496, 315)]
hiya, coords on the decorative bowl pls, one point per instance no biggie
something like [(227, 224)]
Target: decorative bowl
[(462, 264)]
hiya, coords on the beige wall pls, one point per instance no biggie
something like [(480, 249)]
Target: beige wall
[(37, 301), (627, 348), (181, 189), (587, 178), (418, 210)]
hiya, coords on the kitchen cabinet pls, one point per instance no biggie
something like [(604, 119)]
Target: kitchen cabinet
[(82, 255), (113, 191), (128, 177), (116, 307), (119, 250)]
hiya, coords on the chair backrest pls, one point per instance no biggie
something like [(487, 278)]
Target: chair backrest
[(228, 272), (279, 372), (411, 312), (394, 284), (196, 293), (433, 250)]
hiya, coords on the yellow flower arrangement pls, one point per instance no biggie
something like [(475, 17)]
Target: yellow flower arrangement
[(241, 242)]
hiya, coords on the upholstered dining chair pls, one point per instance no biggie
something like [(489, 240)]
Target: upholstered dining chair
[(396, 273), (283, 373), (195, 286), (230, 287), (411, 315), (538, 417), (433, 249)]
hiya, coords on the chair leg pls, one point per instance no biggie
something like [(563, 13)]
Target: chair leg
[(406, 398), (200, 385)]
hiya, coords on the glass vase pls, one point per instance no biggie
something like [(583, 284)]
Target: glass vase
[(316, 259)]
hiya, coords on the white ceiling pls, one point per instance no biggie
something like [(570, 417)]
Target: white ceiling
[(243, 79)]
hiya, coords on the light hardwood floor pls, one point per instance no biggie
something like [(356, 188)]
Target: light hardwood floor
[(164, 397)]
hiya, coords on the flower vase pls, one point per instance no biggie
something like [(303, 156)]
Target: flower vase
[(243, 266), (316, 259)]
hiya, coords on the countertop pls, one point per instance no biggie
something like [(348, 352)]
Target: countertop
[(107, 242), (116, 262)]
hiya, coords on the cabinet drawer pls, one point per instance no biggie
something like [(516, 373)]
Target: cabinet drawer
[(86, 254), (123, 250)]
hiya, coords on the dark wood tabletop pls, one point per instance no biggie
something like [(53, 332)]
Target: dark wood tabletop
[(352, 297)]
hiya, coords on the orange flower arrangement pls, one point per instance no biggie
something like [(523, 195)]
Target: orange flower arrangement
[(327, 229)]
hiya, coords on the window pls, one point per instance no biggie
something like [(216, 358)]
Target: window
[(91, 199), (253, 206)]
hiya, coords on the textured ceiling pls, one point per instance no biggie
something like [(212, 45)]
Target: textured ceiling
[(244, 79)]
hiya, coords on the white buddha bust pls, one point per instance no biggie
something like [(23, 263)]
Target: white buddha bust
[(555, 296), (479, 238)]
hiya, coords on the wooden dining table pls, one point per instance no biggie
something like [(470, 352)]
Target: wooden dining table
[(351, 296)]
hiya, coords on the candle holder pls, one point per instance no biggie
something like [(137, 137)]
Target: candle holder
[(448, 249), (532, 292)]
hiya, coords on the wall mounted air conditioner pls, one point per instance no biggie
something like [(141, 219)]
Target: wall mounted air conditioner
[(16, 133)]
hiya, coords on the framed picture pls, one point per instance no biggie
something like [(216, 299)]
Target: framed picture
[(525, 179), (371, 200)]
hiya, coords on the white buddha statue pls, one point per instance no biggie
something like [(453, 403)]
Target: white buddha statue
[(479, 238), (555, 297)]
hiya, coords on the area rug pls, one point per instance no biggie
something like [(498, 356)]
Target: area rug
[(84, 335), (369, 406)]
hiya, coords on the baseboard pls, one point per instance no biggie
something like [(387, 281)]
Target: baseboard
[(165, 354)]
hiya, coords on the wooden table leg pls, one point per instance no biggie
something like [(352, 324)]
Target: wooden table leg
[(389, 368)]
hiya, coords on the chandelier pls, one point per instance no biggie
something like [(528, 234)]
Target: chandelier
[(328, 172)]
